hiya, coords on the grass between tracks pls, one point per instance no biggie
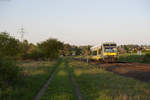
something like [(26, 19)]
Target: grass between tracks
[(35, 75), (61, 87), (97, 84)]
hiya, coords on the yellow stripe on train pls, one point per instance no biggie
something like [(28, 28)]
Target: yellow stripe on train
[(110, 54)]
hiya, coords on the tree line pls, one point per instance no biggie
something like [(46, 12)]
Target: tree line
[(49, 49)]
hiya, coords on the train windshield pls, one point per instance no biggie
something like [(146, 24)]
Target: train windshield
[(110, 49), (109, 44)]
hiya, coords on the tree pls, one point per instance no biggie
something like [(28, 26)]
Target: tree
[(67, 49), (50, 48), (24, 49), (9, 46), (75, 50)]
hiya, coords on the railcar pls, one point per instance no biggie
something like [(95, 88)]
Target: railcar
[(107, 52)]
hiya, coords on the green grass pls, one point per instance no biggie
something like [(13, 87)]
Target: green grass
[(61, 87), (35, 74), (94, 83), (135, 58), (97, 84), (131, 58)]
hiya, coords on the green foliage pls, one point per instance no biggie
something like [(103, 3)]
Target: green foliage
[(135, 58), (86, 50), (9, 75), (98, 84), (67, 50), (31, 51), (33, 76), (146, 58), (131, 58), (77, 50), (9, 46), (24, 48), (35, 55), (50, 48)]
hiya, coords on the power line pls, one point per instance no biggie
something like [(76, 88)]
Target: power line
[(21, 33)]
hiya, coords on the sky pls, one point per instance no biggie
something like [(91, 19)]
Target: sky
[(78, 22)]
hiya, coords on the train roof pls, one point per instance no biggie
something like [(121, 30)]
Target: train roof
[(95, 47), (109, 43), (99, 46)]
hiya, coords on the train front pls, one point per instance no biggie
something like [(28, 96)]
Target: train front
[(109, 52)]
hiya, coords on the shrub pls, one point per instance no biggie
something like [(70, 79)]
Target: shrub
[(35, 55), (146, 58), (9, 74), (9, 46), (50, 48)]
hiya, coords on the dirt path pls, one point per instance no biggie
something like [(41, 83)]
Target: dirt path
[(42, 90), (76, 87)]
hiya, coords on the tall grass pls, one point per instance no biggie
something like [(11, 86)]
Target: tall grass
[(9, 75), (34, 75), (98, 84)]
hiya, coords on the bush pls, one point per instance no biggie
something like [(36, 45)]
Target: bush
[(136, 58), (146, 58), (50, 48), (34, 55), (9, 74), (131, 58), (9, 46)]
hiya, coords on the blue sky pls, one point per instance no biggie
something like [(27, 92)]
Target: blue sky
[(78, 22)]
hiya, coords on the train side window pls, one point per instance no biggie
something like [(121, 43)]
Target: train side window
[(99, 51)]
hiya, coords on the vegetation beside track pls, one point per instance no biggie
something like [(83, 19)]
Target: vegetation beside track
[(135, 58), (97, 84), (145, 58), (61, 87), (35, 74), (94, 83)]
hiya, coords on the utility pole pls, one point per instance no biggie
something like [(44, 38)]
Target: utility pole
[(88, 54), (21, 32)]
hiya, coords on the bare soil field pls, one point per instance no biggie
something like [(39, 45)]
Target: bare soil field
[(135, 70)]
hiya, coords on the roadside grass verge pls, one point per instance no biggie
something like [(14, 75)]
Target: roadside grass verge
[(35, 74), (61, 87), (98, 84)]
